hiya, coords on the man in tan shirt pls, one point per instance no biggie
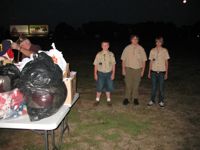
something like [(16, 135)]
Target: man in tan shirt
[(133, 66), (104, 72), (158, 71)]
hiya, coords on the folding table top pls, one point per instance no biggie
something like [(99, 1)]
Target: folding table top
[(49, 123)]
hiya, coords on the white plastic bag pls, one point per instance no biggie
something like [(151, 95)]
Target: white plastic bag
[(20, 65), (57, 57), (55, 54)]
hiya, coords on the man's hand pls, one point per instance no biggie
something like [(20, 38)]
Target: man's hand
[(149, 75), (15, 46), (142, 73), (96, 77), (166, 76), (112, 76), (123, 72)]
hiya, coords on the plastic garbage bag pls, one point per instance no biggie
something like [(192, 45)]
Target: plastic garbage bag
[(12, 72), (12, 104), (20, 65), (4, 84), (42, 84), (57, 57)]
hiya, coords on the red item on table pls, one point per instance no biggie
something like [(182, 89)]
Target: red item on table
[(10, 53)]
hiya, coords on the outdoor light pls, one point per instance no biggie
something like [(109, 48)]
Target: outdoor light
[(184, 1)]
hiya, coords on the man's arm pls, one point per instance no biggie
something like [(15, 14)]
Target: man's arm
[(123, 58), (143, 68), (151, 58), (95, 72), (113, 72), (150, 68), (25, 52), (144, 62), (123, 68), (166, 66)]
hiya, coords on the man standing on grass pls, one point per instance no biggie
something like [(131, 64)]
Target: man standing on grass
[(104, 72), (133, 65), (158, 71)]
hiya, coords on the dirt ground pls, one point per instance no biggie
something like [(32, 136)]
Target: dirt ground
[(175, 127)]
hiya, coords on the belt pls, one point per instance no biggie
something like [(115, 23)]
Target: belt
[(104, 72), (158, 71), (133, 68)]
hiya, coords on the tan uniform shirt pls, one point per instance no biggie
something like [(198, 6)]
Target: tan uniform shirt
[(134, 56), (105, 60), (158, 59)]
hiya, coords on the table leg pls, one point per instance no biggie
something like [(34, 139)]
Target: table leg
[(53, 140), (64, 126), (67, 125), (62, 129), (46, 140)]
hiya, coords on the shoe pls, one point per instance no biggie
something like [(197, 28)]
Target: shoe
[(151, 103), (109, 104), (125, 101), (136, 102), (96, 103), (162, 104)]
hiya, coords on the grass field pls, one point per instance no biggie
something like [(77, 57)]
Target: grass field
[(175, 127)]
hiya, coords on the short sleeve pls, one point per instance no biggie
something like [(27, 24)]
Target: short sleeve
[(113, 59), (35, 48), (123, 56), (167, 55), (144, 56), (151, 55), (95, 60)]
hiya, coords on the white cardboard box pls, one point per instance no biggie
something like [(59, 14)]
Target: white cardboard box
[(71, 88)]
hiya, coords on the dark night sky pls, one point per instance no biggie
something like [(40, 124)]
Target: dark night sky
[(76, 12)]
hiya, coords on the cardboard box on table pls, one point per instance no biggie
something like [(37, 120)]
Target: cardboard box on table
[(70, 83)]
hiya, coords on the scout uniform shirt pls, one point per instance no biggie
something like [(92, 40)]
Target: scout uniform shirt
[(134, 56), (158, 58), (104, 61)]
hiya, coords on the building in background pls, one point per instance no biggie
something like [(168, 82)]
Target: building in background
[(29, 30)]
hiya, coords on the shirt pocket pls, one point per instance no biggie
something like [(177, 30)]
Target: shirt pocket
[(139, 56), (100, 63), (110, 63), (162, 57), (111, 60)]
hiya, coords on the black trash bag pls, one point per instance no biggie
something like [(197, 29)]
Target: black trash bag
[(4, 84), (11, 71), (42, 83)]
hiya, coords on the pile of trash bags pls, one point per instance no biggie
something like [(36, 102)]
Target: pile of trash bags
[(42, 83), (39, 85)]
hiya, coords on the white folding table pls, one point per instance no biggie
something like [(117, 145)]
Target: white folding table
[(47, 124)]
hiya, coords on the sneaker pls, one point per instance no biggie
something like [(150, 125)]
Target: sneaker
[(162, 104), (125, 101), (109, 104), (135, 102), (96, 103), (150, 103)]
